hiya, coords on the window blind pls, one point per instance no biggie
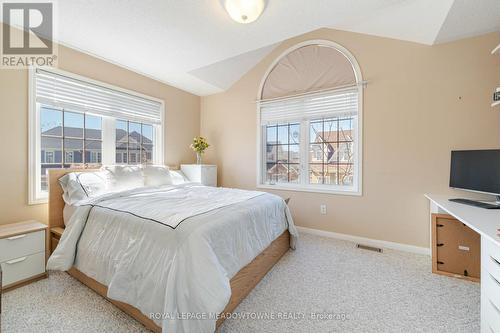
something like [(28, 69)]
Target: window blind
[(337, 103), (73, 94)]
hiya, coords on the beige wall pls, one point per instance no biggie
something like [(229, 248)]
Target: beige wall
[(181, 125), (421, 102)]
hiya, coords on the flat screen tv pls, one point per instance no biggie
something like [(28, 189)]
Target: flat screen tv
[(476, 170)]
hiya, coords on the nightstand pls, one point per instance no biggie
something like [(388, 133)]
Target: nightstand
[(201, 173), (22, 253)]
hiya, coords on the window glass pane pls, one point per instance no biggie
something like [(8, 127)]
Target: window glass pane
[(294, 153), (121, 125), (50, 122), (282, 173), (346, 174), (93, 127), (330, 131), (271, 134), (345, 130), (294, 173), (283, 153), (283, 134), (73, 125), (330, 161), (294, 133), (316, 153), (331, 153), (134, 132), (331, 175), (147, 144), (271, 153), (51, 150), (134, 153), (147, 133), (73, 151), (93, 151), (271, 172), (316, 132), (147, 153), (345, 152), (121, 130), (315, 174)]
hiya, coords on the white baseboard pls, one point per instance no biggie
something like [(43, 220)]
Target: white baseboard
[(367, 241)]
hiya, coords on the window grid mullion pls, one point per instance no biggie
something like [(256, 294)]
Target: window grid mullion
[(63, 150), (288, 153), (84, 159)]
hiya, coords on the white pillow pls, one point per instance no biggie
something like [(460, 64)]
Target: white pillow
[(78, 186), (156, 175), (178, 177), (124, 177)]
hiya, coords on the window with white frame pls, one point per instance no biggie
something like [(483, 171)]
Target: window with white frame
[(312, 141), (76, 122)]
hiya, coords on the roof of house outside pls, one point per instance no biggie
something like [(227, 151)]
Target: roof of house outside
[(76, 144)]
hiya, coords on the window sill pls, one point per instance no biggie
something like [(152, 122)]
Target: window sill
[(38, 200), (298, 188)]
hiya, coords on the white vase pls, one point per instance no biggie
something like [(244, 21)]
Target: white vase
[(198, 158)]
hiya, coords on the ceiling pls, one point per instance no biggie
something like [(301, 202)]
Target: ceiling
[(195, 46)]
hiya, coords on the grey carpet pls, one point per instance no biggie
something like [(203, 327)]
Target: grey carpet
[(324, 286)]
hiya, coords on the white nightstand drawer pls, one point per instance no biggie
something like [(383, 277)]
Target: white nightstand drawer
[(22, 245), (18, 269)]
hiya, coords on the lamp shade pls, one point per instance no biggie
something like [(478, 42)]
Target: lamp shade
[(244, 11)]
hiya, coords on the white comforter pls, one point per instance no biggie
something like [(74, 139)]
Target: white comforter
[(171, 251)]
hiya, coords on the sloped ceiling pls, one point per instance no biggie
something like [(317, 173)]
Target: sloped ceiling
[(195, 46)]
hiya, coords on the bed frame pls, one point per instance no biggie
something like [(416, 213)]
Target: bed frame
[(241, 284)]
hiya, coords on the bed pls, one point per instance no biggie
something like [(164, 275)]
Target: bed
[(176, 272)]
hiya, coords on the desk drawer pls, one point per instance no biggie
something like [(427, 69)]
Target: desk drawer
[(492, 316), (490, 249), (22, 245), (489, 260), (18, 269), (491, 290)]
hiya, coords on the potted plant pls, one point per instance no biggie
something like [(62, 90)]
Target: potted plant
[(199, 145)]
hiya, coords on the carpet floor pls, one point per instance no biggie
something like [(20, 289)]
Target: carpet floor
[(325, 285)]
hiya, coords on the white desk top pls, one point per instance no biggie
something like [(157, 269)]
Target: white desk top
[(483, 221)]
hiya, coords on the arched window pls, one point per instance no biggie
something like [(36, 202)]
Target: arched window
[(309, 112)]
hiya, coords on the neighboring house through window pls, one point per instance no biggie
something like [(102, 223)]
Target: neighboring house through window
[(310, 121), (79, 123)]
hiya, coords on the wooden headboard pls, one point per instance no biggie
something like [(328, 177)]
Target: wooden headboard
[(56, 202)]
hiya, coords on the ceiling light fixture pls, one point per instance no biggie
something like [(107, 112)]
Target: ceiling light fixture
[(244, 11)]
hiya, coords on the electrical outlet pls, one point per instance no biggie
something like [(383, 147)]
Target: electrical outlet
[(322, 209)]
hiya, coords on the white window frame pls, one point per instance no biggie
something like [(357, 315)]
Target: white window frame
[(303, 186), (35, 195)]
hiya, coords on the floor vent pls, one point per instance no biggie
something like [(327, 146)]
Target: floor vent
[(370, 248)]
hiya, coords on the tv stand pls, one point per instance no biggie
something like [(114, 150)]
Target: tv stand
[(475, 203)]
